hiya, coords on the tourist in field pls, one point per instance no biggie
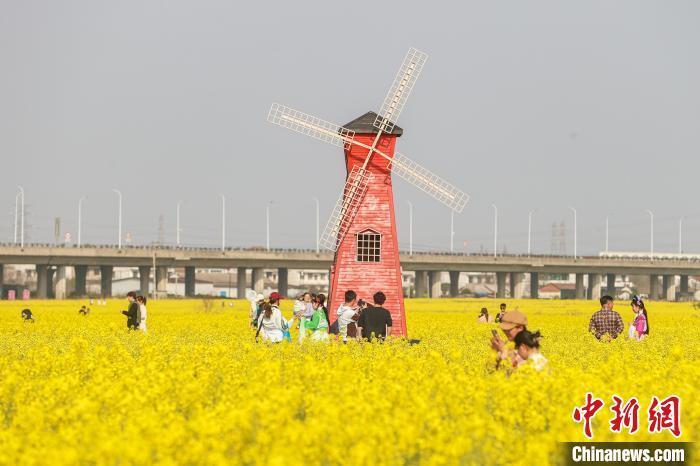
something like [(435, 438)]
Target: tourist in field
[(132, 312), (305, 314), (256, 308), (375, 321), (499, 316), (27, 316), (318, 324), (512, 323), (270, 324), (321, 304), (639, 329), (141, 300), (83, 311), (606, 321), (483, 316), (347, 315), (527, 345)]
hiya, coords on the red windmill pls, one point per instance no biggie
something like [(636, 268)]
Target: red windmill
[(362, 227)]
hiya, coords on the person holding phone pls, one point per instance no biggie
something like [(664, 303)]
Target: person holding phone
[(512, 323)]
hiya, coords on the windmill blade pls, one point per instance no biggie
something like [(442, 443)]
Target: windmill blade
[(310, 125), (346, 208), (429, 182), (400, 89)]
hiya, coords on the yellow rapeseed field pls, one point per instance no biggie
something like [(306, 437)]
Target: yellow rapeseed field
[(197, 389)]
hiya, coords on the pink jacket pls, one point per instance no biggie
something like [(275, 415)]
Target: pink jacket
[(640, 324)]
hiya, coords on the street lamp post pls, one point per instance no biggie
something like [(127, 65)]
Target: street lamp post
[(529, 233), (452, 231), (223, 222), (267, 223), (495, 230), (177, 224), (21, 216), (410, 228), (119, 241), (607, 233), (318, 225), (575, 232), (16, 215), (80, 221), (651, 247)]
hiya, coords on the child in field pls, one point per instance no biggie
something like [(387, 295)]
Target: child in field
[(639, 329), (527, 346)]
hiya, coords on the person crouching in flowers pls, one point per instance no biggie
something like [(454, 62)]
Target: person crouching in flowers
[(527, 346), (639, 329), (270, 324)]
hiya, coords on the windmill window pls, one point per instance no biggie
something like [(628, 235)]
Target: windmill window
[(369, 246)]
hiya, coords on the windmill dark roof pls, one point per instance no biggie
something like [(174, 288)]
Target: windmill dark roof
[(365, 125)]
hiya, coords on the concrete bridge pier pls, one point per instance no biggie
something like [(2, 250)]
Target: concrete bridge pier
[(50, 290), (161, 281), (241, 282), (669, 284), (534, 285), (283, 281), (61, 287), (144, 280), (683, 291), (258, 277), (454, 284), (517, 285), (42, 281), (435, 284), (190, 281), (500, 285), (580, 289), (610, 285), (653, 287), (421, 284), (80, 279), (595, 285), (2, 281), (106, 273)]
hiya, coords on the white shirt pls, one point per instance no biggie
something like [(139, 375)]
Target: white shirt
[(345, 314), (271, 328)]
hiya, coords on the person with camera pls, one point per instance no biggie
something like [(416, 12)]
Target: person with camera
[(348, 313), (132, 314), (375, 321), (512, 323)]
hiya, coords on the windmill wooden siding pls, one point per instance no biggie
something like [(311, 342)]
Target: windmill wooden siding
[(376, 213)]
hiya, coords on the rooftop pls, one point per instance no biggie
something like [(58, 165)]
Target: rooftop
[(365, 125)]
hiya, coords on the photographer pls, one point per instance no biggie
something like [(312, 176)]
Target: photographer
[(348, 313), (132, 314), (375, 321)]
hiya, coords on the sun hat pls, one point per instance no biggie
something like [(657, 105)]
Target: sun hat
[(513, 319)]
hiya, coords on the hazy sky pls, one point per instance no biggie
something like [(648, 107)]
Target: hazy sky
[(525, 104)]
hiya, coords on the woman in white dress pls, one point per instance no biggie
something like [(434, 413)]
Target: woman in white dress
[(142, 313)]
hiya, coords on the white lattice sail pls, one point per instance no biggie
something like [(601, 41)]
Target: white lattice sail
[(310, 125), (346, 208), (429, 182), (400, 90)]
